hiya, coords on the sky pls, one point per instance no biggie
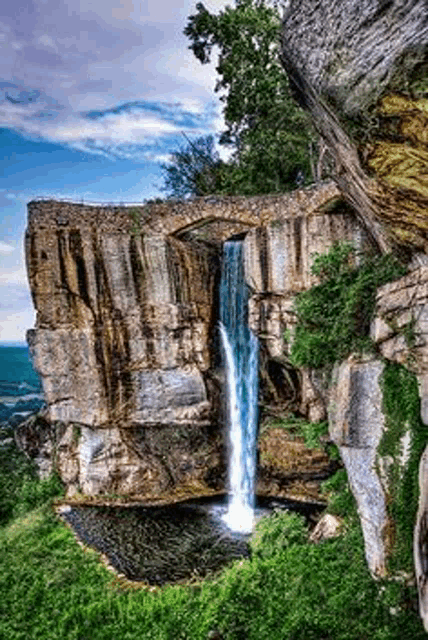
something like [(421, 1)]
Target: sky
[(94, 96)]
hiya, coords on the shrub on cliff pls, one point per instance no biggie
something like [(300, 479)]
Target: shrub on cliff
[(333, 317), (20, 488)]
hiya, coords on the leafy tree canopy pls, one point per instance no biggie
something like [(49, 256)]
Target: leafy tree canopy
[(269, 134), (195, 170)]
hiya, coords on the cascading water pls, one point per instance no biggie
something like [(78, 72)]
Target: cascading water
[(241, 359)]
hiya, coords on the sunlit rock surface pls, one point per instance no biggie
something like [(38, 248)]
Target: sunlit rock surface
[(356, 425), (400, 329)]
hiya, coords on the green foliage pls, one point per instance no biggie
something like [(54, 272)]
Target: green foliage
[(51, 588), (269, 134), (20, 488), (333, 317), (401, 406), (311, 432), (408, 331), (276, 532), (135, 214), (341, 502)]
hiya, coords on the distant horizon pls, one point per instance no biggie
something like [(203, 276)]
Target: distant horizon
[(12, 343)]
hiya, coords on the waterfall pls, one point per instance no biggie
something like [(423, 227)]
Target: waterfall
[(240, 347)]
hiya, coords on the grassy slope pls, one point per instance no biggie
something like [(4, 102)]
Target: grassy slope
[(51, 588)]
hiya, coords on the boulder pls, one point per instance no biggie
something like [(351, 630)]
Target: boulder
[(328, 527)]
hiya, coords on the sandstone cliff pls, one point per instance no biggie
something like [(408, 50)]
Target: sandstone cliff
[(126, 340), (361, 69), (126, 344)]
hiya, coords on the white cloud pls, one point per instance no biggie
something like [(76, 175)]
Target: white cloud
[(124, 132), (96, 54), (6, 248), (162, 158)]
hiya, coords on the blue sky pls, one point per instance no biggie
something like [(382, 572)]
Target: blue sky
[(94, 95)]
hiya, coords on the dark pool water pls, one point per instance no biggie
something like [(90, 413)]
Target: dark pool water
[(160, 545)]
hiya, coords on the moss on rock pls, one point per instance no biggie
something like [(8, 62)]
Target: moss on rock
[(399, 454)]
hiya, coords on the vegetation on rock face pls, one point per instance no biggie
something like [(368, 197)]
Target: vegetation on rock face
[(310, 432), (270, 136), (400, 449), (333, 317)]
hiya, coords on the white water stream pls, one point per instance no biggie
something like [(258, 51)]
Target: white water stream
[(240, 348)]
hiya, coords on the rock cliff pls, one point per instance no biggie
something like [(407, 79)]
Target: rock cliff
[(126, 340), (361, 70)]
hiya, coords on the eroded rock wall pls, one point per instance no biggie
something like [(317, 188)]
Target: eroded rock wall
[(278, 260), (357, 424), (125, 339), (361, 71), (124, 322)]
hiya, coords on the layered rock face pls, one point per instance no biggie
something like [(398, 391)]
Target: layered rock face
[(124, 323), (361, 70), (127, 349), (126, 341), (278, 260), (400, 329)]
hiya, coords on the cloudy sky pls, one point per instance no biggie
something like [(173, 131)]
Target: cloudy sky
[(94, 94)]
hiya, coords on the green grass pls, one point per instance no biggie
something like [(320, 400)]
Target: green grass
[(20, 490), (311, 432), (51, 588)]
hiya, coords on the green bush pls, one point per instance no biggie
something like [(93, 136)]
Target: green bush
[(341, 502), (333, 317), (51, 588), (277, 532), (311, 432)]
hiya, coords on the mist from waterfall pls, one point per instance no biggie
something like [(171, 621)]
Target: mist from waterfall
[(240, 347)]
